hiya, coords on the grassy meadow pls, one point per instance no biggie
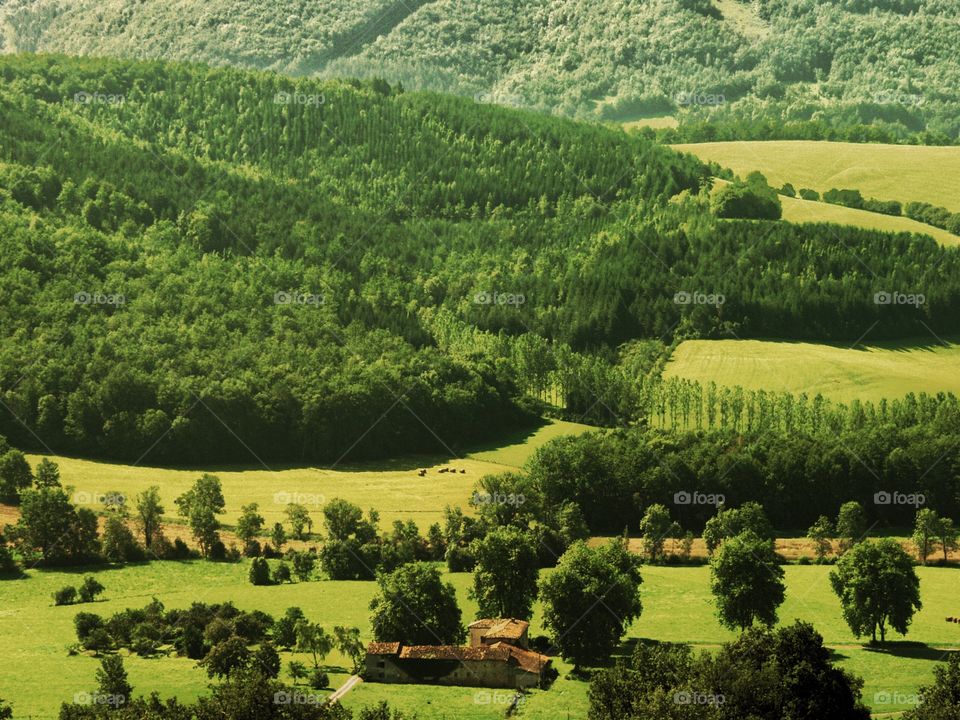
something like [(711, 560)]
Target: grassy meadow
[(677, 602), (393, 487), (796, 210), (887, 172), (840, 373)]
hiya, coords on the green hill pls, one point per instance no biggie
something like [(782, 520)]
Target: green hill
[(788, 60), (220, 265)]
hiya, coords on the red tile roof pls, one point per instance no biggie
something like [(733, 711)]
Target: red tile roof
[(383, 648), (508, 629), (532, 662), (455, 652)]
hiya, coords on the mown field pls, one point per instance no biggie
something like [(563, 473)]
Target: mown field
[(796, 210), (394, 487), (678, 606), (869, 372), (887, 172)]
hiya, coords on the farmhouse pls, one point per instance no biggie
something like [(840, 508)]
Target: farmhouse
[(497, 657)]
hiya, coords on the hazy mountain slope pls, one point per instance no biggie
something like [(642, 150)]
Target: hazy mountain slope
[(844, 62)]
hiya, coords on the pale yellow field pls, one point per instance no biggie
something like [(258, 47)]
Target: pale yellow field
[(839, 373), (805, 211), (887, 172), (394, 488)]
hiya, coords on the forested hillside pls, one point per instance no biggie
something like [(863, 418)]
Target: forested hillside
[(190, 256), (844, 69)]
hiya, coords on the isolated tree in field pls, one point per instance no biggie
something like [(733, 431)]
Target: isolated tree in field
[(342, 519), (149, 512), (820, 533), (112, 680), (940, 701), (47, 474), (15, 475), (877, 586), (506, 574), (414, 606), (299, 518), (926, 528), (350, 644), (656, 526), (747, 581), (313, 639), (590, 599), (205, 528), (206, 492), (947, 537), (250, 522), (226, 657), (730, 522), (278, 536), (298, 671), (851, 525)]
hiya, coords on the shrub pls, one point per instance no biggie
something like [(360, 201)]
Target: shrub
[(65, 596), (808, 194), (252, 549), (85, 623), (89, 589), (259, 571), (319, 680), (281, 573)]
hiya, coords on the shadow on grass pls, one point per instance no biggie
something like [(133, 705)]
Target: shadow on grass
[(912, 650)]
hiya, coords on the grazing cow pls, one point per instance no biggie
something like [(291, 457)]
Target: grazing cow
[(462, 471)]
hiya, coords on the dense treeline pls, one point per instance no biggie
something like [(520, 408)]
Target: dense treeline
[(774, 68), (795, 476), (197, 270)]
